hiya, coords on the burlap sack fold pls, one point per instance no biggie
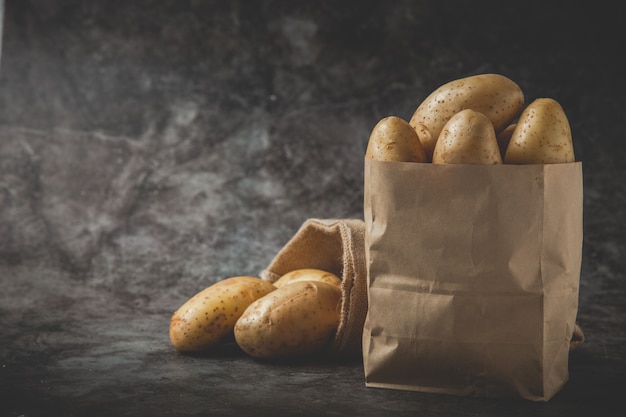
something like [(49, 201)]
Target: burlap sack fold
[(337, 246)]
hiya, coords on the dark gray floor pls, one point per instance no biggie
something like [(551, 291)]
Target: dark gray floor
[(148, 149)]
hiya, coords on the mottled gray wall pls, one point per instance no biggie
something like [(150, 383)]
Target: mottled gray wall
[(148, 148)]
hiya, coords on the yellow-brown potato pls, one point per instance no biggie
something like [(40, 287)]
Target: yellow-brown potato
[(307, 274), (467, 138), (393, 139), (209, 317), (295, 320), (542, 135), (494, 95), (504, 138)]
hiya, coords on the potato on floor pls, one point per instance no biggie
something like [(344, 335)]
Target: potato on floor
[(295, 320), (209, 317)]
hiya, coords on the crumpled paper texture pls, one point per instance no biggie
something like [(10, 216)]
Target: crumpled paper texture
[(473, 277)]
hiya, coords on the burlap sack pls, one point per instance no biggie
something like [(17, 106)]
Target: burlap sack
[(337, 246)]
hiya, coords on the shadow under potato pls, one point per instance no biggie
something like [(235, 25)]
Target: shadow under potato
[(231, 350)]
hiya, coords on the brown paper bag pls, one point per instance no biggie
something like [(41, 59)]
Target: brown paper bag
[(473, 277), (337, 246)]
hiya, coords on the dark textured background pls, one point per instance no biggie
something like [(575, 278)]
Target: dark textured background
[(150, 148)]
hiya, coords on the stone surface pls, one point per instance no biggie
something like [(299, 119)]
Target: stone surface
[(148, 149)]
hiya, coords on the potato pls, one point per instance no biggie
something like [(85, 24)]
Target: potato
[(494, 95), (209, 317), (393, 139), (504, 138), (295, 320), (307, 274), (467, 138), (542, 135)]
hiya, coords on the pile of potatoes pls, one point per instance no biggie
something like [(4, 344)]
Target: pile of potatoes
[(296, 315), (479, 119)]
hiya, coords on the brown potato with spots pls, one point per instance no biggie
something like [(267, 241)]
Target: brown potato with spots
[(494, 95), (542, 135), (504, 138), (393, 139), (295, 320), (307, 274), (209, 317), (467, 138)]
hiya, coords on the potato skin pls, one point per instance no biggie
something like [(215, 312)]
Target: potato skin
[(307, 274), (467, 138), (542, 135), (393, 139), (504, 138), (496, 96), (295, 320), (209, 317)]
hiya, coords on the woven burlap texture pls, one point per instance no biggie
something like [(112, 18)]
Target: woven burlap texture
[(337, 246)]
